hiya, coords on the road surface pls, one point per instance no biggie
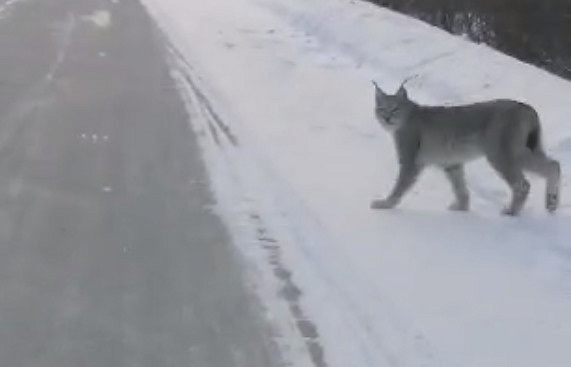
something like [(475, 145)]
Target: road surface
[(109, 253)]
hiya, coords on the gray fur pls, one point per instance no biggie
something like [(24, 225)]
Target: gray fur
[(507, 133)]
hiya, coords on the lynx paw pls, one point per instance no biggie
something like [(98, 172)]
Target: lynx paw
[(511, 212), (383, 204), (551, 202), (458, 206)]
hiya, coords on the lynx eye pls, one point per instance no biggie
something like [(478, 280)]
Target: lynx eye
[(388, 113), (394, 110)]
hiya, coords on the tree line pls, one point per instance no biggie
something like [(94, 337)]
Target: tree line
[(535, 31)]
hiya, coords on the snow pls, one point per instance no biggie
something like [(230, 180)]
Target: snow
[(99, 18), (7, 6), (279, 92)]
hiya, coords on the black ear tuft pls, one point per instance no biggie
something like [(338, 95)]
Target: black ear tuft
[(378, 90), (402, 92)]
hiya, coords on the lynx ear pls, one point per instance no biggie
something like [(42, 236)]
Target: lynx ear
[(402, 92), (378, 91)]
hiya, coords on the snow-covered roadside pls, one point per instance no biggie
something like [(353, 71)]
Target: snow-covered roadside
[(285, 109)]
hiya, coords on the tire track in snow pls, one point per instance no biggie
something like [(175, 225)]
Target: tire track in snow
[(216, 124), (221, 134), (290, 291)]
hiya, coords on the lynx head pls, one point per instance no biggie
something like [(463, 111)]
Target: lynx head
[(392, 111)]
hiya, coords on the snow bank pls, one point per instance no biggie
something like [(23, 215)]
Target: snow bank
[(279, 91)]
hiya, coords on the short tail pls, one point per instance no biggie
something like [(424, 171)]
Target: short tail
[(533, 141)]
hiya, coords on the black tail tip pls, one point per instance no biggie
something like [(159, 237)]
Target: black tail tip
[(533, 140)]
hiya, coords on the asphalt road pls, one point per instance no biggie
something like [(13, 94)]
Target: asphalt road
[(109, 253)]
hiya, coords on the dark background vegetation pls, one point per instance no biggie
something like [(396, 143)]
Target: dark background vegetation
[(535, 31)]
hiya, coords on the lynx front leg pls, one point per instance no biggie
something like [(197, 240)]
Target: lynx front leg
[(455, 175), (408, 175)]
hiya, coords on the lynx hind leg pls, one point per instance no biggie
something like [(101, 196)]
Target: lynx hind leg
[(539, 163), (520, 191), (456, 176), (511, 171)]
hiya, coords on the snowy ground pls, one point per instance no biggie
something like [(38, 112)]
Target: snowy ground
[(281, 95)]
